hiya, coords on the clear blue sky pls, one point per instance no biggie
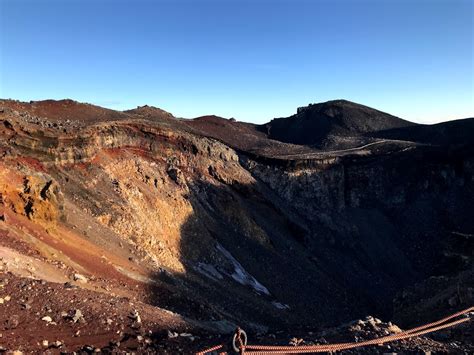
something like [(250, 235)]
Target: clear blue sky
[(252, 60)]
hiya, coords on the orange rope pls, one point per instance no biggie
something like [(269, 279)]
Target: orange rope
[(214, 348), (455, 315), (346, 346), (406, 332), (304, 349)]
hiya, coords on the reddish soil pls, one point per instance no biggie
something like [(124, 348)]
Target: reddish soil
[(65, 110), (108, 323)]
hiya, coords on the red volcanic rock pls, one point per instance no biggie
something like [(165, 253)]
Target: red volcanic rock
[(62, 110), (196, 226)]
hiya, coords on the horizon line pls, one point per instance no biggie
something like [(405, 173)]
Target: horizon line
[(109, 105)]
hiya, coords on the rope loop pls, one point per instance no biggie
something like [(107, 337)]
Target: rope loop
[(239, 340)]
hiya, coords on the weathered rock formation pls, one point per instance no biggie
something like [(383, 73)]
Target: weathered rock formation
[(221, 220)]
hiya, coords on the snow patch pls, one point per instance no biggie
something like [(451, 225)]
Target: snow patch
[(280, 305), (209, 271), (242, 276)]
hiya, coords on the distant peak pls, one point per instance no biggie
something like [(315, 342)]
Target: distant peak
[(315, 123), (63, 102), (147, 110), (208, 117), (327, 104)]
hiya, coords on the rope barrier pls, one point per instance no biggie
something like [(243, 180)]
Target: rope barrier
[(347, 346), (406, 332), (305, 349), (214, 348)]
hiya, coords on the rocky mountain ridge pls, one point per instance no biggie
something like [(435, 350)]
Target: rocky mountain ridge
[(227, 223), (315, 123)]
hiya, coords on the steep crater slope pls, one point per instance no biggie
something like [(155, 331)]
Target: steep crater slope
[(158, 212)]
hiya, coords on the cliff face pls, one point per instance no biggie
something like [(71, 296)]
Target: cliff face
[(390, 222), (216, 231)]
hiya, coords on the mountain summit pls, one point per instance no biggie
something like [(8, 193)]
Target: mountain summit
[(312, 124)]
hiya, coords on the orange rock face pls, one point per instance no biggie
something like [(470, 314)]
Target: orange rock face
[(223, 225), (36, 196)]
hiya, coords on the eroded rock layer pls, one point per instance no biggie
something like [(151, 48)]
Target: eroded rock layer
[(184, 215)]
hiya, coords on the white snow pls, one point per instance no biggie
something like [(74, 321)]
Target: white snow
[(242, 276), (280, 305), (209, 271)]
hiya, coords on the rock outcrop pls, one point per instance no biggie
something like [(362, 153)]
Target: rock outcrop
[(239, 227)]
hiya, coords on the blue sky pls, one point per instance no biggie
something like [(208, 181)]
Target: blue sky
[(252, 60)]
